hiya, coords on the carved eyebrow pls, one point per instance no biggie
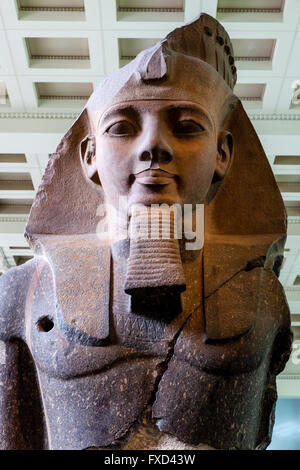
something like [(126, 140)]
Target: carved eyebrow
[(191, 109), (128, 111)]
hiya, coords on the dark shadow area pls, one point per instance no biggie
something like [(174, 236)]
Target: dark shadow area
[(163, 306), (31, 417)]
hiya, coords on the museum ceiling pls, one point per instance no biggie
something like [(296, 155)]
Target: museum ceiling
[(53, 53)]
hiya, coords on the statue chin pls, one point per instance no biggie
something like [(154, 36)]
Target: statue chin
[(153, 198)]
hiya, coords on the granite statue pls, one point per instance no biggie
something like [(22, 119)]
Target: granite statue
[(136, 342)]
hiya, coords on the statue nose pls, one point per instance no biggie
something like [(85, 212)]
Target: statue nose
[(156, 155), (156, 150)]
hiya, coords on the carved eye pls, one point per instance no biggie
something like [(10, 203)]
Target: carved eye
[(187, 127), (121, 128)]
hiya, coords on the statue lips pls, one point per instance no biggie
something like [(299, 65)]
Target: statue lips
[(154, 177)]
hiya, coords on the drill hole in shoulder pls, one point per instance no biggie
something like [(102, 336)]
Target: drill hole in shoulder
[(45, 324)]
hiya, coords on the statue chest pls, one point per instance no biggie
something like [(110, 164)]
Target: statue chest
[(134, 335), (103, 390), (92, 396)]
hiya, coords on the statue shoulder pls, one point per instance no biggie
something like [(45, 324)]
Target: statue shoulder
[(14, 285)]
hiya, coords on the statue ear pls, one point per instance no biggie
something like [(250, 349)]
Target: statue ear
[(88, 158), (225, 145)]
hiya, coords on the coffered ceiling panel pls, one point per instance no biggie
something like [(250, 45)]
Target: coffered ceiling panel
[(15, 181), (151, 4), (253, 49), (129, 48), (15, 206), (251, 4), (67, 90), (149, 10), (287, 160), (51, 3), (57, 47), (250, 91), (12, 158), (58, 52)]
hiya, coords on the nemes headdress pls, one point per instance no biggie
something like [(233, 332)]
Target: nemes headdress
[(246, 214)]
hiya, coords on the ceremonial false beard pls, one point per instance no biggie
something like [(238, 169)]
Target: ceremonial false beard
[(155, 276)]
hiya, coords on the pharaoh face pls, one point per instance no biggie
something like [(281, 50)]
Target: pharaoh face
[(159, 150)]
